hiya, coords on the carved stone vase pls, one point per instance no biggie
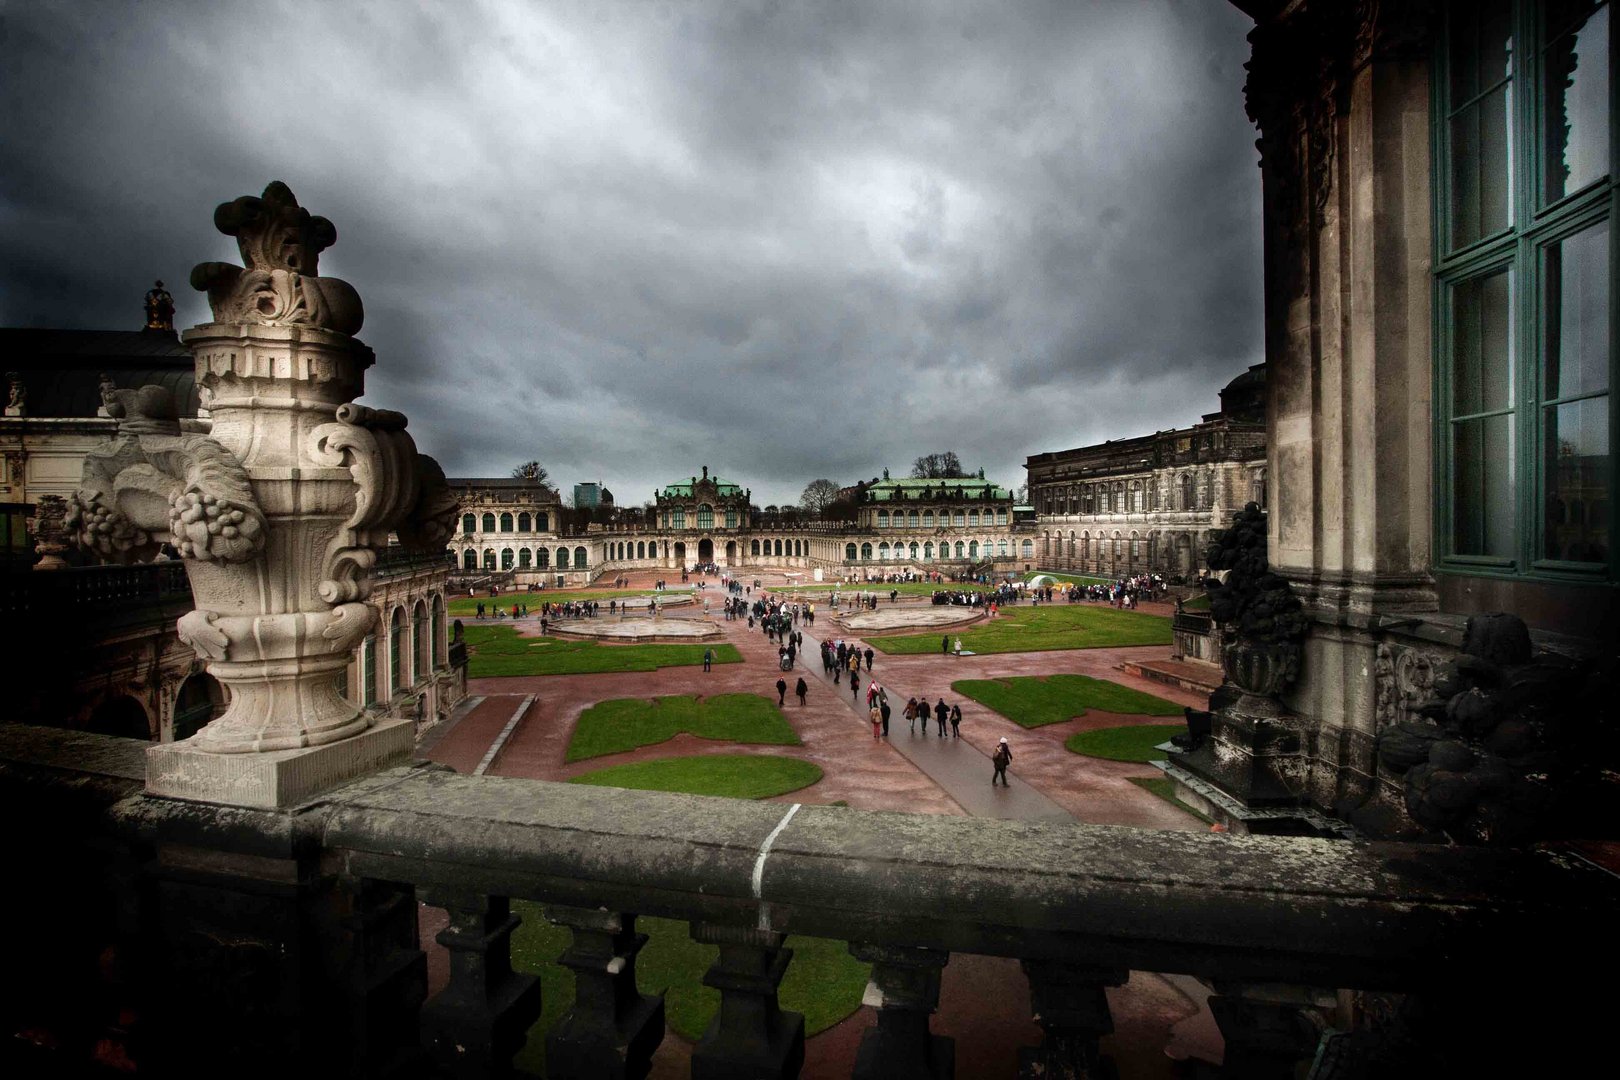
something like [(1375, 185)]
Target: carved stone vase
[(1260, 668)]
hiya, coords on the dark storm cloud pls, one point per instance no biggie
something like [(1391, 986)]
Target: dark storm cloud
[(629, 239)]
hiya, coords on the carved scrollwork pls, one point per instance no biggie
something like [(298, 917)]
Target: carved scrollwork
[(349, 623), (373, 445), (197, 629)]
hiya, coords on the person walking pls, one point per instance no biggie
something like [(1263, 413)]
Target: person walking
[(877, 720), (854, 686), (956, 721), (869, 658), (1001, 759), (781, 692), (941, 711), (945, 645), (883, 707), (910, 713), (801, 690), (708, 659)]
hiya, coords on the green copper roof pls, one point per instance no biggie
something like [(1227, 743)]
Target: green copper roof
[(683, 489)]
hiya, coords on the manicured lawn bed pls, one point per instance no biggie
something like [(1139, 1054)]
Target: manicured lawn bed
[(612, 727), (467, 606), (498, 650), (1124, 743), (737, 776), (1033, 701), (1039, 629), (823, 981), (1197, 603)]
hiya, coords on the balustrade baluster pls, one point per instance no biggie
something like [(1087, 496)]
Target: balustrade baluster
[(1269, 1028), (475, 1025), (387, 976), (1071, 1005), (750, 1038), (612, 1029), (905, 989)]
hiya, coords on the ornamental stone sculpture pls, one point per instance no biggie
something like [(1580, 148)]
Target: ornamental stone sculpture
[(279, 513)]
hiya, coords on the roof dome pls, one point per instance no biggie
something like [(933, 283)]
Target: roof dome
[(1244, 398)]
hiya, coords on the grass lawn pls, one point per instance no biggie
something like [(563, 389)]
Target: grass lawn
[(1038, 629), (467, 606), (1032, 701), (498, 650), (1124, 743), (737, 776), (1197, 603), (1165, 789), (612, 727), (823, 981)]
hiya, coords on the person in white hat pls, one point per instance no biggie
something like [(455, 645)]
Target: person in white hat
[(1001, 759)]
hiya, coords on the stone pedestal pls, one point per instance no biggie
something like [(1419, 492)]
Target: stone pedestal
[(276, 779)]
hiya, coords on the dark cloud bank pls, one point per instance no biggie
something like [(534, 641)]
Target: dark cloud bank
[(629, 239)]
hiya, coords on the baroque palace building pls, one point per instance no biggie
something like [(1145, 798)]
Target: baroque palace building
[(514, 528), (1152, 503)]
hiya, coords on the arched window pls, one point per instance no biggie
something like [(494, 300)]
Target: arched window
[(506, 523), (731, 517), (368, 671), (469, 559), (1029, 549), (421, 641), (507, 557), (641, 549), (1001, 546), (883, 551), (1137, 503), (489, 558), (542, 558), (524, 521), (753, 548), (912, 518), (1189, 498), (973, 549), (489, 523), (542, 523), (973, 519), (849, 552), (580, 561), (469, 523), (525, 557), (928, 519), (677, 518), (397, 656), (913, 549), (928, 551), (960, 552), (562, 558), (866, 552), (705, 516), (441, 642), (960, 518)]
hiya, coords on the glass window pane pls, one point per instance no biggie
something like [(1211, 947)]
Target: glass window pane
[(1482, 344), (1577, 477), (1481, 176), (1577, 349), (1482, 499), (1575, 85), (1481, 47)]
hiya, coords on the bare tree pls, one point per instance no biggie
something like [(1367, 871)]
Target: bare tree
[(817, 496), (943, 465), (531, 470)]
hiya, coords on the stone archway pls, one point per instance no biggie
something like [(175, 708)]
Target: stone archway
[(705, 551), (731, 552), (680, 554), (200, 699), (123, 716)]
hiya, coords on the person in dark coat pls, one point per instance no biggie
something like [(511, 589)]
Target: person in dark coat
[(781, 691), (883, 706), (956, 721), (945, 645), (941, 711), (1001, 759), (801, 690)]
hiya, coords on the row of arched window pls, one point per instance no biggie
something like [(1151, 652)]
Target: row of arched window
[(926, 519), (522, 522), (785, 548), (703, 518), (1174, 551), (1189, 490), (523, 559), (410, 646), (926, 551)]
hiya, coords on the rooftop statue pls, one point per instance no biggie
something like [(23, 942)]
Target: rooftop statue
[(279, 281), (159, 308)]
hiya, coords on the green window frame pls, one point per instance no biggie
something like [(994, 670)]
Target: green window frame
[(1524, 274)]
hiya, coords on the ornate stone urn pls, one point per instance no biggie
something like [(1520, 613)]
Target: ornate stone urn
[(278, 512)]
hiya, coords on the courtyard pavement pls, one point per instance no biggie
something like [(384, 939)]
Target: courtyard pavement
[(985, 1000)]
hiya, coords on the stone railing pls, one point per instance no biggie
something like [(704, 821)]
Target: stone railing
[(1192, 622), (100, 589), (289, 939)]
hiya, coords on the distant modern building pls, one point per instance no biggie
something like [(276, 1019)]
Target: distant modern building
[(1151, 503), (592, 495)]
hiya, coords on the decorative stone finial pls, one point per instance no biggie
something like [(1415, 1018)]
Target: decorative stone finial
[(279, 282), (159, 308)]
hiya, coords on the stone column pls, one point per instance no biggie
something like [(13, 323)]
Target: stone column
[(1071, 1005), (750, 1037), (612, 1030), (905, 990), (474, 1026)]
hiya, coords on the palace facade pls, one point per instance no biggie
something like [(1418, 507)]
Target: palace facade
[(1151, 504)]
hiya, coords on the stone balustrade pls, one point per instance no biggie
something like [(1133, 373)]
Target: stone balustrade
[(288, 938)]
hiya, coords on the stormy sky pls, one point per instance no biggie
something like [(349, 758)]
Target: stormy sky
[(785, 240)]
